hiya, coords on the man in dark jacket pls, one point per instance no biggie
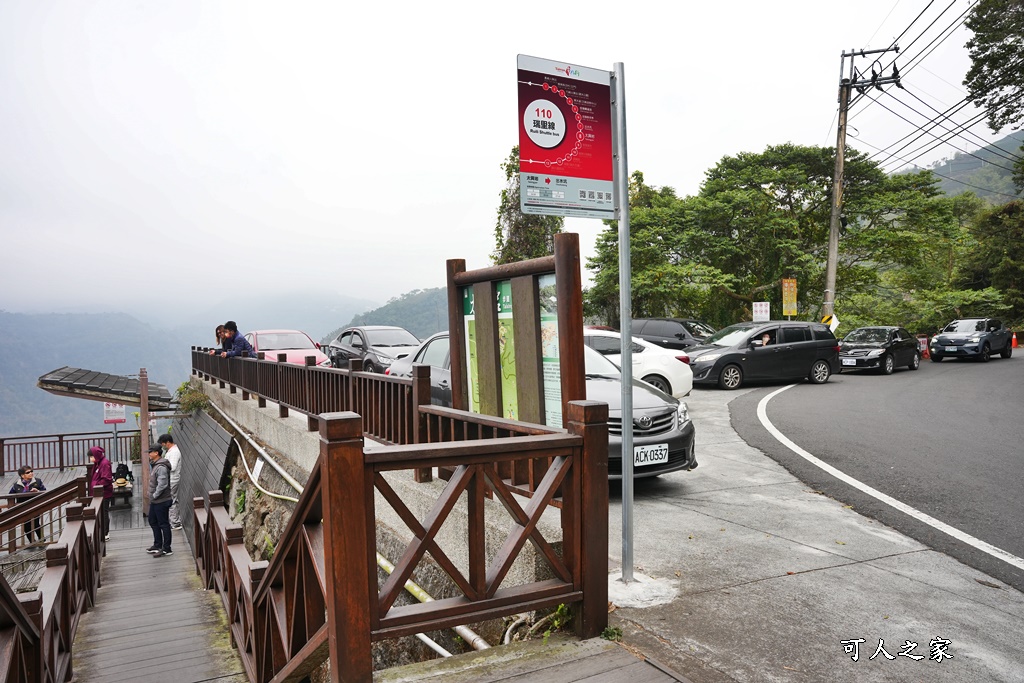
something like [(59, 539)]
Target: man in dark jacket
[(102, 476), (159, 502), (237, 341), (29, 483)]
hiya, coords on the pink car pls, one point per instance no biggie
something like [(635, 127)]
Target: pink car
[(296, 344)]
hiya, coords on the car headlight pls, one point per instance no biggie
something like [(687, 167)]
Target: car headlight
[(682, 413), (875, 353), (974, 340), (385, 361), (707, 358), (325, 362)]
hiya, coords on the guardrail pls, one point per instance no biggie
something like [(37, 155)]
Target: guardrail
[(41, 626), (46, 511), (393, 410), (318, 597), (60, 451)]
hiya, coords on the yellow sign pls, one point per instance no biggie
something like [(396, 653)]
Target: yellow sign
[(827, 319), (788, 296)]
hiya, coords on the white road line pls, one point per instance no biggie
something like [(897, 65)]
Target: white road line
[(998, 553)]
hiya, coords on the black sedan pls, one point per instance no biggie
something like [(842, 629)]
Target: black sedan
[(882, 348), (663, 435), (375, 347)]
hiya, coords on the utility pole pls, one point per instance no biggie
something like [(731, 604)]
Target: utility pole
[(846, 84)]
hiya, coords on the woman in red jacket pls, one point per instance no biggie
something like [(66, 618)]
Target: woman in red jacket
[(101, 476)]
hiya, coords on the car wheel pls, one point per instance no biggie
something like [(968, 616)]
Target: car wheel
[(936, 358), (820, 372), (731, 377), (659, 383), (888, 364), (368, 367), (1008, 351), (915, 361), (986, 353)]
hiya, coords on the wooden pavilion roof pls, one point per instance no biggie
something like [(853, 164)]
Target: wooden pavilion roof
[(102, 386)]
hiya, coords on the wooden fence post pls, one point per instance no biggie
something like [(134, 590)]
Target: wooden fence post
[(349, 527), (589, 419), (420, 397)]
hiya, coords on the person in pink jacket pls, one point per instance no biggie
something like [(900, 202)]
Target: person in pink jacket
[(101, 476)]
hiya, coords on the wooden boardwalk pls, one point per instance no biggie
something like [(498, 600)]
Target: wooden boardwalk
[(152, 621), (561, 659)]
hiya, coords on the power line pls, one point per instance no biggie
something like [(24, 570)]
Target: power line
[(913, 62), (920, 133), (1006, 154), (977, 187), (940, 141)]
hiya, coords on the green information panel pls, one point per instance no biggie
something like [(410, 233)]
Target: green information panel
[(549, 351), (507, 352), (473, 379)]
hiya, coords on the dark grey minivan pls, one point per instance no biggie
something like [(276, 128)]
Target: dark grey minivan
[(767, 351)]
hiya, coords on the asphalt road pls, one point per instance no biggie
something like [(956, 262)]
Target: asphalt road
[(947, 440)]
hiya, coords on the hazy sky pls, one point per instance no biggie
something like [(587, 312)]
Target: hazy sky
[(158, 153)]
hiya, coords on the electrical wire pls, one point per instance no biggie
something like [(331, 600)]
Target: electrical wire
[(976, 187)]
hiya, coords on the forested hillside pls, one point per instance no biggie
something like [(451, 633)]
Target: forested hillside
[(421, 311), (988, 172)]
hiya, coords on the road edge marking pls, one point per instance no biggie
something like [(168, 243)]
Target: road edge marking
[(977, 543)]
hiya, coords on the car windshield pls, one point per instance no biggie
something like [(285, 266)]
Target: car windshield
[(271, 341), (698, 329), (868, 335), (729, 336), (392, 337), (596, 364), (965, 326)]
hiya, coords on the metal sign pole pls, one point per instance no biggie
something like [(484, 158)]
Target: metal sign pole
[(621, 189)]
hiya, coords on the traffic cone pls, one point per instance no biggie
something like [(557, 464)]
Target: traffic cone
[(1014, 340)]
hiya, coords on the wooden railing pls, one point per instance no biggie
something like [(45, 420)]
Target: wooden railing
[(38, 628), (60, 451), (46, 511), (319, 596), (394, 410), (385, 403)]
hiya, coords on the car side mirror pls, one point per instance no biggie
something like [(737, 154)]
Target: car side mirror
[(756, 342)]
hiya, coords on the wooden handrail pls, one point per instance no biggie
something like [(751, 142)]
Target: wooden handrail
[(45, 621), (319, 597), (60, 451)]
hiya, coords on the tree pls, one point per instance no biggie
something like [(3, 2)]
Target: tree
[(996, 258), (995, 80), (996, 77), (519, 236), (762, 217)]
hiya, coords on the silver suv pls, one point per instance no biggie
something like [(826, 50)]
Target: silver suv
[(972, 338)]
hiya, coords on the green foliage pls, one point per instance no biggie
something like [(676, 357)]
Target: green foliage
[(995, 81), (613, 633), (757, 219), (268, 549), (240, 501), (996, 259), (556, 620), (908, 256), (519, 236), (191, 398)]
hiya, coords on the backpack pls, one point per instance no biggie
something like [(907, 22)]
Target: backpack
[(123, 472)]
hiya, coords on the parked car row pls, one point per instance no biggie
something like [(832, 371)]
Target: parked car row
[(663, 434)]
